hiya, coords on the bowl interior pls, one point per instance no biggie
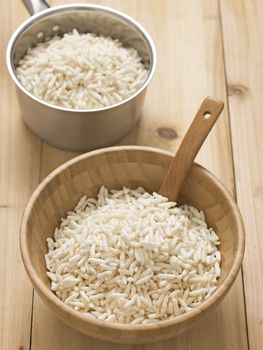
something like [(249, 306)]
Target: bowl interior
[(131, 167)]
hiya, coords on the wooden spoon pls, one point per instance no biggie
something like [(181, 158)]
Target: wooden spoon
[(202, 124)]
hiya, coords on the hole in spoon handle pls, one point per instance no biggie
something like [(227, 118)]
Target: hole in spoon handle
[(202, 124), (206, 115)]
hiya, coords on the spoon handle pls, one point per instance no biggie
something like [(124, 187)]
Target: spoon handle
[(202, 124)]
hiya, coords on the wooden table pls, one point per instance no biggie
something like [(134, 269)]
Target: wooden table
[(205, 47)]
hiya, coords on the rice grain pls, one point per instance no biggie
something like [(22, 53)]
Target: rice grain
[(132, 257), (81, 71)]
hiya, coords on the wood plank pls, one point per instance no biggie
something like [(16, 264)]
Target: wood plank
[(186, 73), (243, 32), (19, 174)]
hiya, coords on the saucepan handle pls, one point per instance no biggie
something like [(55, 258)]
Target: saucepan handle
[(35, 6)]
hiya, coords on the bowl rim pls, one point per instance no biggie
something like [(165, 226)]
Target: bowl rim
[(59, 304), (81, 6)]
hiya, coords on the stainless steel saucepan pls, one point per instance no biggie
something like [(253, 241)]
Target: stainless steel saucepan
[(72, 129)]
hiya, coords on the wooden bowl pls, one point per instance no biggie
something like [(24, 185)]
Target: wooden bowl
[(115, 167)]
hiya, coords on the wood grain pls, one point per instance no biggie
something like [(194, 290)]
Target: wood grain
[(243, 31), (19, 174), (168, 111)]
